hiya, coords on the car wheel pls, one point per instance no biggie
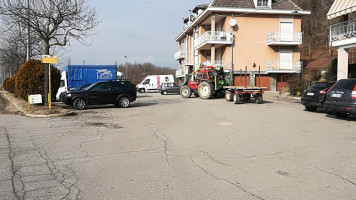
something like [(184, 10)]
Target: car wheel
[(165, 92), (79, 104), (341, 115), (124, 102), (310, 108), (142, 90)]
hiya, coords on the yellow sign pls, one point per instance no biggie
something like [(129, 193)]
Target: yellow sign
[(49, 59)]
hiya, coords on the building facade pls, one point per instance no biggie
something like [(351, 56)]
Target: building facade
[(257, 39), (343, 36)]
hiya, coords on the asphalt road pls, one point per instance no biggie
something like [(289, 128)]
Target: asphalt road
[(166, 147)]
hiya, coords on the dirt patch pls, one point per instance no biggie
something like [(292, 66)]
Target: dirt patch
[(23, 106)]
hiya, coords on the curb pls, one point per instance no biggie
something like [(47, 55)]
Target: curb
[(27, 114)]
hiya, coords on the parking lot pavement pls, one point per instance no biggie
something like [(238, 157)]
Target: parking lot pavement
[(167, 147)]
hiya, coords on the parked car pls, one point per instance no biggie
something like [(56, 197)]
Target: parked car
[(341, 98), (121, 93), (170, 88), (315, 96), (61, 95)]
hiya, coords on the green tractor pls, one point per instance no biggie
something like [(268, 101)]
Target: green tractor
[(208, 83)]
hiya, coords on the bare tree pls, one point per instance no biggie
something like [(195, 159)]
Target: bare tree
[(56, 22)]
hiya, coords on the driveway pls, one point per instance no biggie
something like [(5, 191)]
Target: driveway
[(167, 147)]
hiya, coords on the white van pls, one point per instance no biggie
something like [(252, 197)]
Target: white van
[(153, 82)]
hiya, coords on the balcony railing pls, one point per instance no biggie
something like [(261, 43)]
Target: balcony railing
[(215, 37), (179, 55), (343, 30), (281, 38), (223, 63), (180, 73), (284, 67)]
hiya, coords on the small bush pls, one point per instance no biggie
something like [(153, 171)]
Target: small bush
[(30, 79), (297, 86), (331, 72), (9, 84)]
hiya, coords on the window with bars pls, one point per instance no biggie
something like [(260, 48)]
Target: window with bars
[(262, 3)]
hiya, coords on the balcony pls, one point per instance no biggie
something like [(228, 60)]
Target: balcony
[(284, 67), (179, 55), (223, 63), (343, 33), (284, 39), (180, 73), (219, 38)]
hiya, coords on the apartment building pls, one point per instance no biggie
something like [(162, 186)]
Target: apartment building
[(343, 36), (256, 39)]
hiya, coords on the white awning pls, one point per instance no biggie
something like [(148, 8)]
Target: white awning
[(341, 7)]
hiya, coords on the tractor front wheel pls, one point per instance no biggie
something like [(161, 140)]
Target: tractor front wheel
[(185, 91), (205, 90)]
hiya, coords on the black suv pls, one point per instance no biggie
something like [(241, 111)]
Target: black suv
[(315, 96), (341, 98), (120, 93)]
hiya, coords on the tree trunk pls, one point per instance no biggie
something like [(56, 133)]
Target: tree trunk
[(46, 75)]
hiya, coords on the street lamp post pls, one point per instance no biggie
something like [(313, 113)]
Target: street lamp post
[(127, 76)]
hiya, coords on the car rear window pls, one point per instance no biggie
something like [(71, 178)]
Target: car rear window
[(321, 85), (345, 84)]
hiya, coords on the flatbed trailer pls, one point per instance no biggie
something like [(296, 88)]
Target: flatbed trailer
[(240, 94)]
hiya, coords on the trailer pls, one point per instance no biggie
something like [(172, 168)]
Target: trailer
[(240, 94)]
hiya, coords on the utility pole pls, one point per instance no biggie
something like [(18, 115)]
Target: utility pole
[(127, 63)]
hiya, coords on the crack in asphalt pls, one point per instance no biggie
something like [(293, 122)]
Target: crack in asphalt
[(165, 142), (11, 157), (213, 159), (323, 170), (61, 177), (224, 179)]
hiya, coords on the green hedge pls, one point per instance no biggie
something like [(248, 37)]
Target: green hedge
[(30, 80), (9, 84), (297, 86)]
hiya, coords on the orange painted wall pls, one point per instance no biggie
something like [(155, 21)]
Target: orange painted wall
[(251, 40)]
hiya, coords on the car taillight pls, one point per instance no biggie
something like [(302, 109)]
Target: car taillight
[(353, 94), (323, 91)]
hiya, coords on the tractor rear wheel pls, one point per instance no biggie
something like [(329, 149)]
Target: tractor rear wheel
[(185, 91), (205, 90)]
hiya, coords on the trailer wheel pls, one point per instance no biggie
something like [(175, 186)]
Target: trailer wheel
[(185, 91), (259, 98), (237, 99), (228, 96), (205, 90)]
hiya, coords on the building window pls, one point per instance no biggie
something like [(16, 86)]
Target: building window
[(262, 3)]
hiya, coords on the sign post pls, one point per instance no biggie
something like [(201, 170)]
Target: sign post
[(34, 99), (50, 59)]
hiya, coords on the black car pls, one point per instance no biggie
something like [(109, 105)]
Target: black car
[(120, 93), (315, 96), (341, 98), (170, 88)]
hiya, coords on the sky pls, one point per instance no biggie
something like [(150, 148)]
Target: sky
[(142, 30)]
